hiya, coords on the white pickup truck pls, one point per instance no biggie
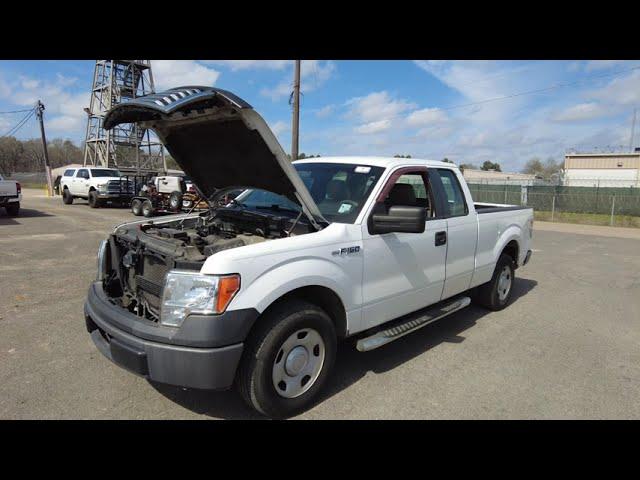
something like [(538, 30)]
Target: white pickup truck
[(257, 293), (97, 185), (10, 196)]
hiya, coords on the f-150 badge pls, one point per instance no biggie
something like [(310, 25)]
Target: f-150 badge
[(346, 251)]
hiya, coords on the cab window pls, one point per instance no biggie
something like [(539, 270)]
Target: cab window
[(411, 190), (453, 192), (83, 173), (69, 172)]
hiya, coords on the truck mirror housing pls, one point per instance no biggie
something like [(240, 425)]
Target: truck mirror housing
[(399, 219)]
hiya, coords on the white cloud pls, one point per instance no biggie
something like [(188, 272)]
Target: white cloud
[(427, 117), (235, 65), (594, 65), (176, 73), (582, 112), (325, 111), (377, 106), (280, 127), (624, 90), (313, 75), (374, 127)]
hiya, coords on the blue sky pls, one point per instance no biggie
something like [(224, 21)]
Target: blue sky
[(380, 107)]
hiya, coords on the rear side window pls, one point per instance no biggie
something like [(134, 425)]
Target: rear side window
[(69, 172), (83, 174), (454, 197)]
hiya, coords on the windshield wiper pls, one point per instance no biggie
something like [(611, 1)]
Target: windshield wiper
[(277, 208)]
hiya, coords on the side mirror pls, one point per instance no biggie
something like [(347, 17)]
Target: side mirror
[(399, 219)]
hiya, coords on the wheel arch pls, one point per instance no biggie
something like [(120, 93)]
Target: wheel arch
[(512, 248), (321, 296)]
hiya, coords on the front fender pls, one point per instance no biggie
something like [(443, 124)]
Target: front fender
[(282, 278)]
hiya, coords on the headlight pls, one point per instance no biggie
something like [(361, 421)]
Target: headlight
[(102, 187), (102, 260), (188, 292)]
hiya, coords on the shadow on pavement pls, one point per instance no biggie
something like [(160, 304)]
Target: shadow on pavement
[(351, 365), (24, 213)]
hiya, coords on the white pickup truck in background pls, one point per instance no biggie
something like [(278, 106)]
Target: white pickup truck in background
[(258, 292), (10, 196)]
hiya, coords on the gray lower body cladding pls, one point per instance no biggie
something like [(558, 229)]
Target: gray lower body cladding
[(203, 353)]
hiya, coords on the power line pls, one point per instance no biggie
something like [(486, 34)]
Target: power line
[(19, 125), (17, 111)]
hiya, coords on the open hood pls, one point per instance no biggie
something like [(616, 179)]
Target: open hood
[(219, 140)]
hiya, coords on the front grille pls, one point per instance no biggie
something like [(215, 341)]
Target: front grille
[(120, 186)]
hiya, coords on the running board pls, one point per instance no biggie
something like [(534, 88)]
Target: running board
[(411, 324)]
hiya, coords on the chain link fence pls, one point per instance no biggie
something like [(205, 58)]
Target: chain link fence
[(610, 205)]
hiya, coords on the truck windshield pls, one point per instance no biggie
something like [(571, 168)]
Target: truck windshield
[(103, 172), (340, 191)]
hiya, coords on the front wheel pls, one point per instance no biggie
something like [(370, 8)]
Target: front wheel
[(497, 292), (287, 360), (67, 198), (94, 201)]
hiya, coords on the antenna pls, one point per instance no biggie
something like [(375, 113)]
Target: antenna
[(633, 128)]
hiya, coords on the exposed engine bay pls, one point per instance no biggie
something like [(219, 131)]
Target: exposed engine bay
[(140, 255)]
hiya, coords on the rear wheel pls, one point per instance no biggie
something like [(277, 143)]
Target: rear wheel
[(496, 294), (94, 201), (287, 360), (175, 200), (13, 209), (136, 207), (67, 198), (147, 208)]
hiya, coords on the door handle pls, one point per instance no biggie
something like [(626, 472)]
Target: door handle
[(441, 238)]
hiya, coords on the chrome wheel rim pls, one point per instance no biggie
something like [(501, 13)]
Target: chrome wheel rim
[(504, 283), (298, 363)]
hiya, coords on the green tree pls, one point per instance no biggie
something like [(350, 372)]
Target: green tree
[(470, 166), (401, 156), (487, 165), (533, 167)]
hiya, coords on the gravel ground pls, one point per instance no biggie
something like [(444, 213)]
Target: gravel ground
[(567, 347)]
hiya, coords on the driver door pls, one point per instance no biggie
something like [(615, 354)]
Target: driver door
[(403, 272)]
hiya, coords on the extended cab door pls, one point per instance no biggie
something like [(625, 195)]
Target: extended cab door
[(403, 272), (462, 230)]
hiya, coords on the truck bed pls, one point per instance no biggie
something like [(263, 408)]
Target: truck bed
[(497, 207)]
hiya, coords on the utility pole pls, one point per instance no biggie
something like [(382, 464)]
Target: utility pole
[(295, 122), (47, 166), (633, 129)]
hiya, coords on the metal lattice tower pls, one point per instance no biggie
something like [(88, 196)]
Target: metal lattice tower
[(126, 146)]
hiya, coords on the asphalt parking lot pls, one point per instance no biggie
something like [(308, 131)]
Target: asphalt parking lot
[(567, 347)]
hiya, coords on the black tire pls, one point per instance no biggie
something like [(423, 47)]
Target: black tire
[(147, 208), (175, 201), (254, 378), (94, 201), (13, 209), (489, 295), (67, 198), (136, 207)]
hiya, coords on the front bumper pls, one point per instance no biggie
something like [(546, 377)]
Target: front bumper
[(159, 353), (115, 196)]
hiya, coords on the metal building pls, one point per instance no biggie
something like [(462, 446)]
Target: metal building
[(126, 147), (602, 169)]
